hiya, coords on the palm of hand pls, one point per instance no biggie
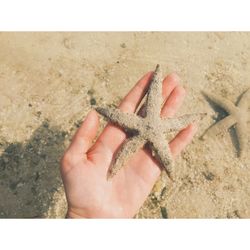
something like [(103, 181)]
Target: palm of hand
[(84, 166)]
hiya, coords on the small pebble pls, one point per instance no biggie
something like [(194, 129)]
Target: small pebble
[(93, 101), (38, 114), (90, 92), (67, 43), (208, 176), (45, 124), (123, 45), (64, 133), (164, 213)]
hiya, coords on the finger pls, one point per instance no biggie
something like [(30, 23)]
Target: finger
[(168, 85), (182, 139), (84, 136), (112, 136), (174, 102)]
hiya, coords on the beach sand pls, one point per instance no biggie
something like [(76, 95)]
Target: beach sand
[(49, 82)]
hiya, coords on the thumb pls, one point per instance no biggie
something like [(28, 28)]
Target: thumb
[(84, 136)]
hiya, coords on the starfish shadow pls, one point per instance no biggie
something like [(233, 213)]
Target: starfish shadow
[(240, 96), (234, 139), (221, 115), (29, 173)]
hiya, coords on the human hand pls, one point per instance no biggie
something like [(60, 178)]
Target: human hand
[(84, 165)]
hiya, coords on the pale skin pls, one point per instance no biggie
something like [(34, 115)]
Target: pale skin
[(85, 164)]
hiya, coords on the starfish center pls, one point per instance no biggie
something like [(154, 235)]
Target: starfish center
[(149, 129)]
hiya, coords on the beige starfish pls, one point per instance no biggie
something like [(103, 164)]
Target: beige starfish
[(238, 116), (150, 129)]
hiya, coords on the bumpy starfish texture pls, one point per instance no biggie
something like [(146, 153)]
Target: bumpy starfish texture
[(151, 129), (238, 116)]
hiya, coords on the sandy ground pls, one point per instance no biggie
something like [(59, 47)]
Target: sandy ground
[(49, 81)]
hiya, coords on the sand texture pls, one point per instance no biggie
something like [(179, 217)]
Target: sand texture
[(49, 82)]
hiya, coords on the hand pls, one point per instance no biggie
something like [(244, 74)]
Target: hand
[(84, 166)]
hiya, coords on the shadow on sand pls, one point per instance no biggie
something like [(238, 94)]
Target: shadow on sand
[(221, 114), (29, 173)]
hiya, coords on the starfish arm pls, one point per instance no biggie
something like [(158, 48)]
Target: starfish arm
[(227, 105), (154, 98), (126, 120), (245, 100), (241, 129), (130, 147), (220, 127), (175, 124), (163, 154)]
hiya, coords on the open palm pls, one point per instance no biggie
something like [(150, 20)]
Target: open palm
[(84, 165)]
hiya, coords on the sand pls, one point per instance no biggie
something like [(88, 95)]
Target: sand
[(49, 82)]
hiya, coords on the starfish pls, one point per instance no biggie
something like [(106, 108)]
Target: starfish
[(150, 130), (237, 115)]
